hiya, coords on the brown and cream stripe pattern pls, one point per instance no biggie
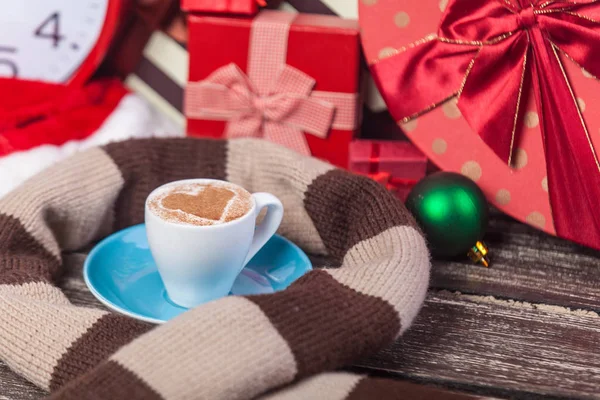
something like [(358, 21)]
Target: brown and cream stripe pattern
[(234, 348)]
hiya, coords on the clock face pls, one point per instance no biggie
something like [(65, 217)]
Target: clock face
[(49, 40)]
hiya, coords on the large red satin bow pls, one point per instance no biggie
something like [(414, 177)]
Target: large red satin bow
[(281, 116), (488, 53)]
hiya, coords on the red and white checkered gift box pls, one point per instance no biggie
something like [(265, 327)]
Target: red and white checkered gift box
[(289, 78)]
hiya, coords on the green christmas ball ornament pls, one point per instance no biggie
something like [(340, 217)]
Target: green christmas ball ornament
[(453, 213)]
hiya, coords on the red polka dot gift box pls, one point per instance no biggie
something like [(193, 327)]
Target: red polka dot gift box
[(503, 92)]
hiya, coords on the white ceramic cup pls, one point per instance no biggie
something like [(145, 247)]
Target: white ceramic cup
[(200, 263)]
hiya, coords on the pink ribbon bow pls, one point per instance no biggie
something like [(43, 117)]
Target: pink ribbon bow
[(281, 115)]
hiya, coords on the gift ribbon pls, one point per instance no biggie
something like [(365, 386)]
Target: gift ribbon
[(390, 182), (274, 100), (488, 53), (374, 161), (374, 158)]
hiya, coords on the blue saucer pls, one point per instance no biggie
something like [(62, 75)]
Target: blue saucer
[(121, 273)]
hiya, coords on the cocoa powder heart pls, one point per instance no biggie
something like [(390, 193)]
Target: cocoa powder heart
[(208, 203)]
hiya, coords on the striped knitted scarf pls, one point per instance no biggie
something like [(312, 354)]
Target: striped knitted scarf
[(373, 281)]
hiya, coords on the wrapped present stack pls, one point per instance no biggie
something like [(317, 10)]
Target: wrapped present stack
[(336, 108), (162, 73), (291, 78)]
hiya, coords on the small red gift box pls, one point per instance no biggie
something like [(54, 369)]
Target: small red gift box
[(395, 164), (249, 7), (289, 78)]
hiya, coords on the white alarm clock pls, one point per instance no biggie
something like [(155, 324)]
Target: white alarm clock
[(55, 41)]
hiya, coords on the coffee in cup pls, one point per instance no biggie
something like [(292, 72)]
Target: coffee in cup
[(201, 204), (202, 232)]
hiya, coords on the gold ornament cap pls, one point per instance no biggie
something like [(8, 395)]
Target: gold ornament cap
[(479, 254)]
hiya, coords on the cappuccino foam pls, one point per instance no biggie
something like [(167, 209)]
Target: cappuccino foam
[(201, 204)]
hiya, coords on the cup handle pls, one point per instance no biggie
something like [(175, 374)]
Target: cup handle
[(269, 225)]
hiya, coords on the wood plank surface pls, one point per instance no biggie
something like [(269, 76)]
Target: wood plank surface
[(13, 387), (527, 265), (496, 346)]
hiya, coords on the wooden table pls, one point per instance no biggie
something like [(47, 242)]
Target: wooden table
[(525, 328)]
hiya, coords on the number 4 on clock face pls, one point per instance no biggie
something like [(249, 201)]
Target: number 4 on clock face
[(50, 29), (55, 40)]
